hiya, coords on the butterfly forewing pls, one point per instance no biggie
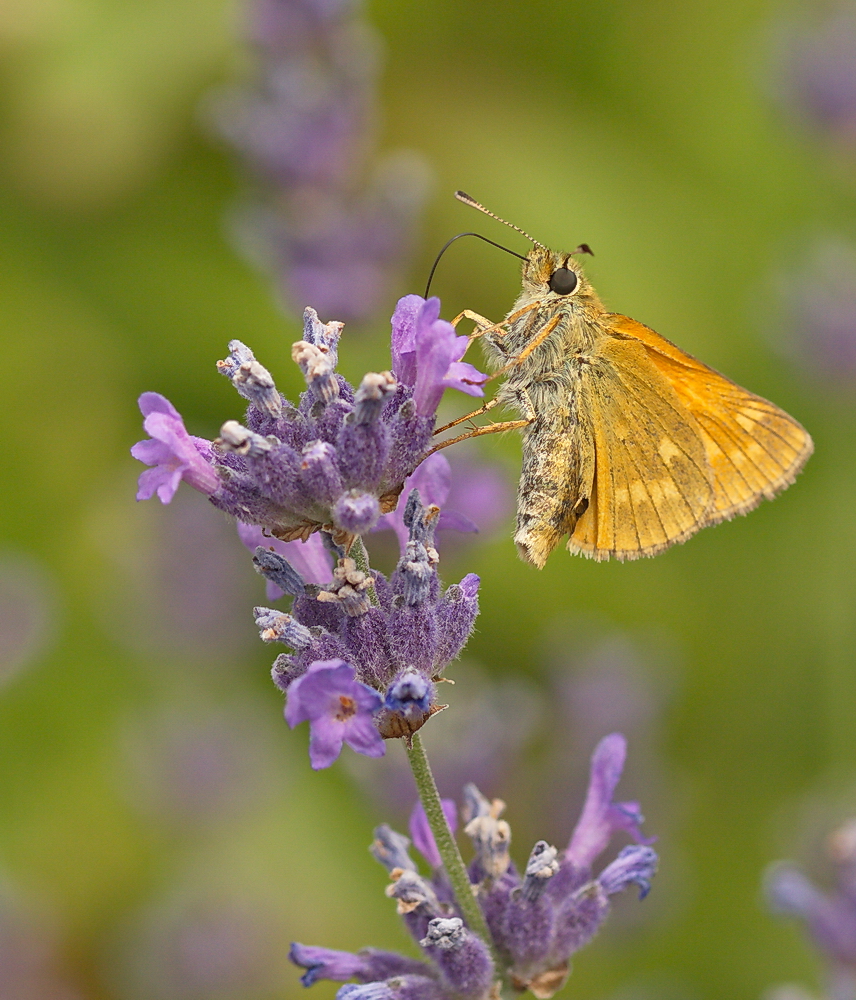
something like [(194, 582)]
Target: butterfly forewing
[(754, 449), (652, 481)]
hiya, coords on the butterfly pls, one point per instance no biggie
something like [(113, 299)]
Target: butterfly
[(630, 444)]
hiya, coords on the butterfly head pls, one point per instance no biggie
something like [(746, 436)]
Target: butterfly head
[(553, 277)]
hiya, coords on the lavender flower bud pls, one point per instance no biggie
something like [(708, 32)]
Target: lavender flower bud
[(390, 849), (491, 836), (323, 335), (318, 370), (320, 473), (356, 512), (274, 567), (543, 864), (252, 380), (235, 437), (373, 392), (274, 626), (463, 958)]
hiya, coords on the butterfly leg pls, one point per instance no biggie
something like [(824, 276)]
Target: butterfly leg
[(489, 405), (522, 400), (527, 350)]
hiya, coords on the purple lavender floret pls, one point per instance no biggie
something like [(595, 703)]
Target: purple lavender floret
[(829, 916), (397, 634), (174, 453), (537, 919), (335, 462), (338, 709)]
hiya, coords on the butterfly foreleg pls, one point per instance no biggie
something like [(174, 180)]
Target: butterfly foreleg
[(521, 397), (533, 344), (489, 405)]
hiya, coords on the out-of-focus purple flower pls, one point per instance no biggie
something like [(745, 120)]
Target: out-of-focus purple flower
[(537, 919), (338, 708), (199, 946), (816, 73), (420, 831), (27, 613), (195, 768), (174, 453), (426, 354), (399, 644), (177, 584), (433, 479), (333, 224), (310, 558), (817, 330), (30, 967), (829, 916)]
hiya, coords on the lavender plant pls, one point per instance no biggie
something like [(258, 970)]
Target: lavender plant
[(829, 917), (366, 652)]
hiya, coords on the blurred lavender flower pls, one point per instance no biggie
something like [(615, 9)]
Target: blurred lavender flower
[(30, 968), (829, 917), (356, 662), (332, 228), (195, 768), (818, 332), (537, 920), (196, 947), (27, 614), (176, 584), (338, 460), (816, 73)]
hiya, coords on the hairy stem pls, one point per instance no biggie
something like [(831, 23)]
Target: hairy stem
[(452, 860), (361, 558)]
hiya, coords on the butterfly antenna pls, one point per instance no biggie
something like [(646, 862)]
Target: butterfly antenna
[(499, 246), (467, 200)]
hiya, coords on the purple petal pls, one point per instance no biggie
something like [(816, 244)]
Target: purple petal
[(338, 708), (326, 737), (324, 963), (362, 736), (420, 831), (175, 454), (452, 520), (600, 816), (404, 324)]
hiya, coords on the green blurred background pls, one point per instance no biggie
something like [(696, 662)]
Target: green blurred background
[(147, 781)]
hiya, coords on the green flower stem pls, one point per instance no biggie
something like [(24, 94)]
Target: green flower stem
[(361, 558), (452, 860)]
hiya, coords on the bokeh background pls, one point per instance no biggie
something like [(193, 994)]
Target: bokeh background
[(161, 835)]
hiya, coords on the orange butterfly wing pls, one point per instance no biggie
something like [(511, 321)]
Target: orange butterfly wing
[(644, 466), (754, 449)]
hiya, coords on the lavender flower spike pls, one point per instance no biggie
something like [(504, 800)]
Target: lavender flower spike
[(536, 920), (174, 453), (339, 710)]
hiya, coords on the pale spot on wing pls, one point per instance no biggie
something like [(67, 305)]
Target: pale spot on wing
[(668, 450), (747, 423)]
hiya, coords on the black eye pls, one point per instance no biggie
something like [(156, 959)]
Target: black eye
[(563, 281)]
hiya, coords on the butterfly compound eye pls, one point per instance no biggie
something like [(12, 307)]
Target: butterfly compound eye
[(563, 281)]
